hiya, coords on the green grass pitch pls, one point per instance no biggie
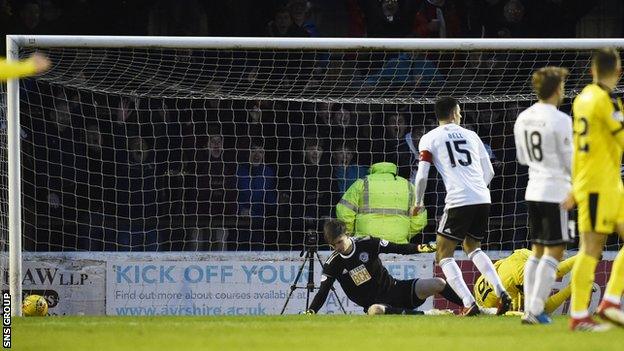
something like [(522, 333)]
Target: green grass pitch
[(299, 332)]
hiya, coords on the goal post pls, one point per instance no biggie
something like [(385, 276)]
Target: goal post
[(14, 184), (284, 91)]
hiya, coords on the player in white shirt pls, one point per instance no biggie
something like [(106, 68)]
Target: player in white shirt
[(543, 137), (461, 158)]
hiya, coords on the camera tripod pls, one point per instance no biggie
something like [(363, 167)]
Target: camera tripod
[(310, 250)]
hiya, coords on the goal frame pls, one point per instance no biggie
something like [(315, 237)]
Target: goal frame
[(15, 42)]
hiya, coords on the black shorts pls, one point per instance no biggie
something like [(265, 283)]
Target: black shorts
[(458, 222), (548, 223), (401, 295)]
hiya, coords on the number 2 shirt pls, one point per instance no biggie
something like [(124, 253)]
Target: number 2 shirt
[(459, 155)]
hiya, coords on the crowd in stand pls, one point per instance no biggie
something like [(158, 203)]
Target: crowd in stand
[(298, 18), (103, 172), (110, 172)]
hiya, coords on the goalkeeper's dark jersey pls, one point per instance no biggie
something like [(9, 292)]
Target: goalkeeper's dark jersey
[(362, 276)]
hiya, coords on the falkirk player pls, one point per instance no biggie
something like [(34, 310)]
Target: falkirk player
[(511, 270), (461, 158), (356, 265), (597, 189), (543, 137), (37, 63)]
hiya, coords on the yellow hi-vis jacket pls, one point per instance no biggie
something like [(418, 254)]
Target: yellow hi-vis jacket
[(16, 69), (379, 205)]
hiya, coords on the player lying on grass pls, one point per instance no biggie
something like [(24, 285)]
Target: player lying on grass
[(511, 272), (356, 265)]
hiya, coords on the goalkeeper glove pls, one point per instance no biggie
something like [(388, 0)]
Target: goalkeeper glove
[(309, 312), (427, 248)]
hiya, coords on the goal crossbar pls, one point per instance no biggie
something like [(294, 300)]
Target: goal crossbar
[(407, 44)]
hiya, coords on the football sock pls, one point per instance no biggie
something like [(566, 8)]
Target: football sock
[(565, 266), (485, 266), (557, 299), (529, 278), (455, 279), (450, 294), (582, 279), (615, 286), (544, 279)]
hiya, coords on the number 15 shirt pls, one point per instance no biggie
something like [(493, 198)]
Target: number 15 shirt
[(463, 162)]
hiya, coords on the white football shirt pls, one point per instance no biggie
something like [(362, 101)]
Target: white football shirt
[(460, 157), (543, 138)]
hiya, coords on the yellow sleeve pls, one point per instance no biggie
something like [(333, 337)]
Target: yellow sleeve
[(16, 69), (615, 122), (347, 207), (565, 266), (556, 300)]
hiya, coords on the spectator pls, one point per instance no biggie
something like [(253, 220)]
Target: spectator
[(394, 148), (507, 22), (136, 198), (336, 122), (257, 200), (388, 18), (215, 197), (300, 15), (438, 19), (345, 171), (256, 184), (379, 205), (282, 25), (310, 188)]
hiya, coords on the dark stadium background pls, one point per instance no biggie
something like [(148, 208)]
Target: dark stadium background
[(57, 210)]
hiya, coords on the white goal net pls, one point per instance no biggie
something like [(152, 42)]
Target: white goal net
[(158, 148)]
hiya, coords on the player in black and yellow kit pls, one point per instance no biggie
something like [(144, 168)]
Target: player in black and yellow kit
[(511, 272), (597, 189), (356, 265)]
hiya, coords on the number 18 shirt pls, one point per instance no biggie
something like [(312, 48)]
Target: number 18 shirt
[(463, 162), (543, 137)]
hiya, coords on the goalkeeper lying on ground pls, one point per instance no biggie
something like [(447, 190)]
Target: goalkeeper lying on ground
[(356, 265), (511, 272)]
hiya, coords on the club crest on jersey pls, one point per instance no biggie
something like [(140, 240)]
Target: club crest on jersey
[(360, 275), (364, 257), (383, 243)]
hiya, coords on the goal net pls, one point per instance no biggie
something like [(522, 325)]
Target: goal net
[(193, 147)]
